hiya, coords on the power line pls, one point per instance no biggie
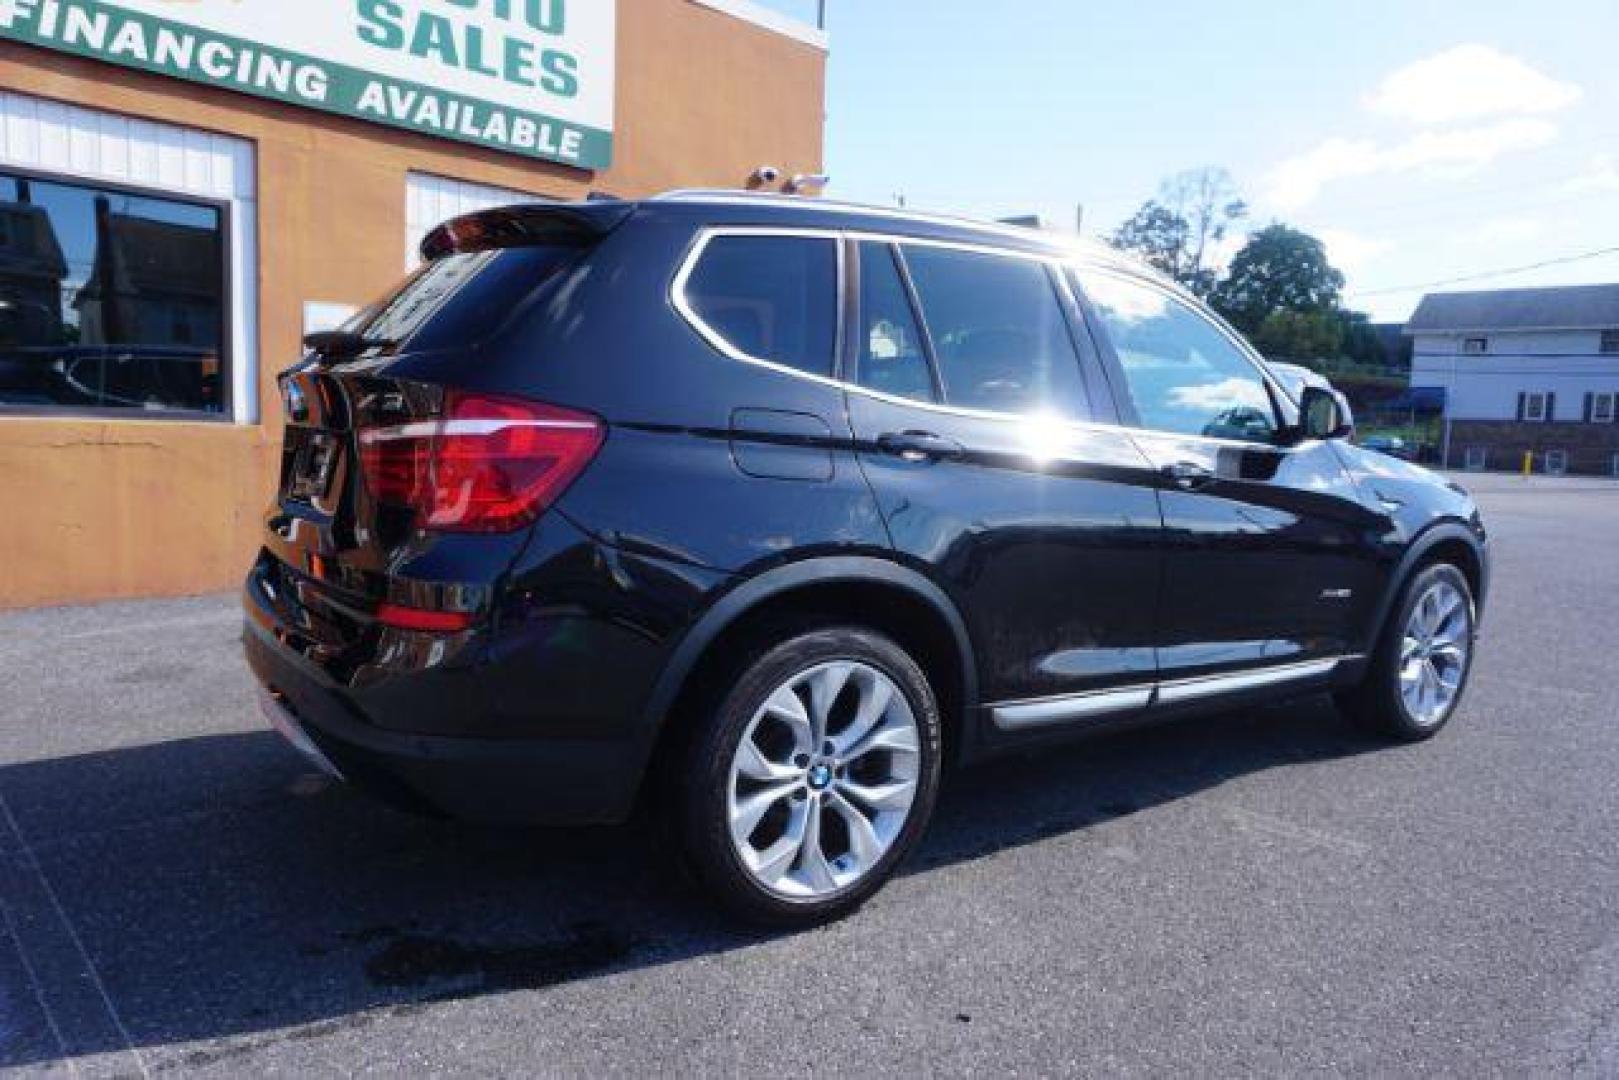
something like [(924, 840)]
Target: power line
[(1485, 274)]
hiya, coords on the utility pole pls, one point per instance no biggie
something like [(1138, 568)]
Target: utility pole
[(1450, 396)]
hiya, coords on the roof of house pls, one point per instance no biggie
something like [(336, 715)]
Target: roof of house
[(154, 259), (28, 244), (1559, 307)]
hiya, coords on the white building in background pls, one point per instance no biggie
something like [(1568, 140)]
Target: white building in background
[(1524, 370)]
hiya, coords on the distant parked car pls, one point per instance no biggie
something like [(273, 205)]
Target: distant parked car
[(1392, 445), (112, 377)]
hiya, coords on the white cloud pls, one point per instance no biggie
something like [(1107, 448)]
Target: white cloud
[(1508, 229), (1350, 251), (1601, 175), (1220, 395), (1297, 181), (1468, 82)]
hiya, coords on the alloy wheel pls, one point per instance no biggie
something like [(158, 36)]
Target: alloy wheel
[(1434, 652), (823, 779)]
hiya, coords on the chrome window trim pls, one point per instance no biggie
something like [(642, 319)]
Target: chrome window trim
[(1028, 713), (1057, 261), (688, 266), (677, 297)]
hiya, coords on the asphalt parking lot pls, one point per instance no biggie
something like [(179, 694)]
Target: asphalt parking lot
[(1266, 891)]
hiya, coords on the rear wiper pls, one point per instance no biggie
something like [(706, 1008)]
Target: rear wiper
[(341, 343)]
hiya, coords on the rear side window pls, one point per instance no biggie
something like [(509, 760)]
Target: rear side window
[(998, 332), (893, 359), (770, 297)]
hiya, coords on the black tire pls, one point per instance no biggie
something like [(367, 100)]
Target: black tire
[(1377, 704), (703, 785)]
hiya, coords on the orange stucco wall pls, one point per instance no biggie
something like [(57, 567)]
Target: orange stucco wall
[(95, 509)]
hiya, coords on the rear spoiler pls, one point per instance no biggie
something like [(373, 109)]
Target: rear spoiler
[(531, 225)]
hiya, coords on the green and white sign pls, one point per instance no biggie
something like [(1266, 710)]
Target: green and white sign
[(531, 77)]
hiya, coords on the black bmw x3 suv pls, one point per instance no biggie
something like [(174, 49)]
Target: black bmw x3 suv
[(782, 506)]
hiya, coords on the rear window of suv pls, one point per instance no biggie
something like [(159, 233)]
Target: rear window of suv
[(461, 298), (770, 298)]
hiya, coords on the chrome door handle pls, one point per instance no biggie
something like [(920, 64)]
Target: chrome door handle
[(919, 446), (1188, 475)]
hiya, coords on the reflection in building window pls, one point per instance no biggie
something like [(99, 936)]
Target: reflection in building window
[(109, 299)]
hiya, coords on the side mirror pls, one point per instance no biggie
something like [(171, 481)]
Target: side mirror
[(1325, 414)]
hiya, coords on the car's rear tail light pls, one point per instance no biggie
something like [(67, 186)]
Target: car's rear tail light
[(487, 464), (432, 622)]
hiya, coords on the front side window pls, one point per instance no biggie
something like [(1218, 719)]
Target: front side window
[(110, 300), (893, 359), (1183, 374), (998, 332), (770, 297)]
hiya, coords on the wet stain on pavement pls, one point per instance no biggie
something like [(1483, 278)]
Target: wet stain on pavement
[(413, 959), (152, 674)]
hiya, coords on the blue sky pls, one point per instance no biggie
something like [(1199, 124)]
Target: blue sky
[(1422, 141)]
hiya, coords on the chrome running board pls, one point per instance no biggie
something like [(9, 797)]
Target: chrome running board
[(1096, 704), (1016, 716), (1170, 693)]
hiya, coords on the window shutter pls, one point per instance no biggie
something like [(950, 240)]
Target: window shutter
[(1522, 399), (1551, 406), (1590, 401)]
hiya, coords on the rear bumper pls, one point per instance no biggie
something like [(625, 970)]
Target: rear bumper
[(510, 780)]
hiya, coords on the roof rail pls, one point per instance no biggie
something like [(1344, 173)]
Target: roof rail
[(738, 197)]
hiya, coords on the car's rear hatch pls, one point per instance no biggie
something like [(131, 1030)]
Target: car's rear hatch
[(409, 483)]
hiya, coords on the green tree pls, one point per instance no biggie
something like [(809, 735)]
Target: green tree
[(1157, 235), (1299, 335), (1206, 199), (1278, 269), (1178, 230), (1360, 341)]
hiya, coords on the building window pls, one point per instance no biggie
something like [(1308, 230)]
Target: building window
[(1478, 458), (1556, 462), (1601, 408), (1610, 341), (111, 298), (1475, 346), (1535, 407)]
